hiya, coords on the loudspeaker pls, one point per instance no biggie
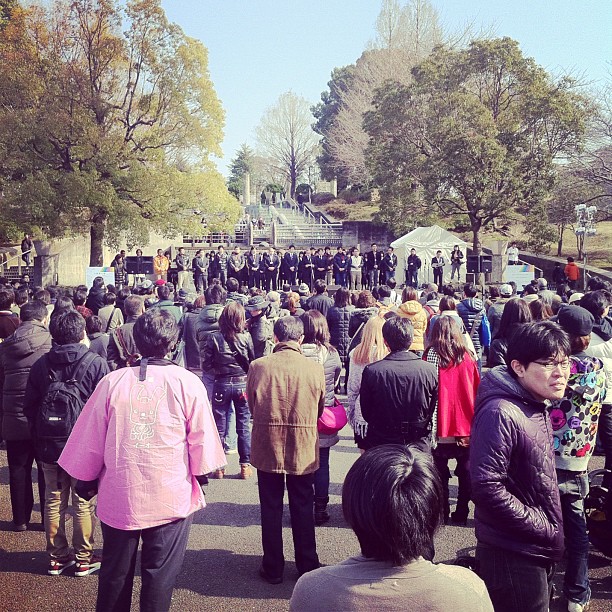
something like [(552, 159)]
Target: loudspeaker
[(331, 289), (486, 263), (472, 264), (139, 265)]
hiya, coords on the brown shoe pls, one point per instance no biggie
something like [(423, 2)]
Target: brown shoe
[(218, 474), (246, 471)]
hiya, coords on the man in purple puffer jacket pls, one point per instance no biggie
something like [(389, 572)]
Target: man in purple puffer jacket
[(518, 517)]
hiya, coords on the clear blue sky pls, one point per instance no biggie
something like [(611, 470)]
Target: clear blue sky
[(259, 49)]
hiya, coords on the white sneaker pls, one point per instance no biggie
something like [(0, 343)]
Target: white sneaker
[(573, 606)]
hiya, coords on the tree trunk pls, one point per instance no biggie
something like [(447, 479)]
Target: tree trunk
[(477, 247), (96, 233), (560, 241)]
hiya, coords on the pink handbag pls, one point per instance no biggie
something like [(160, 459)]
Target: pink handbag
[(333, 418)]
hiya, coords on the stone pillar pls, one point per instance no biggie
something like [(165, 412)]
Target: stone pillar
[(247, 189), (334, 187)]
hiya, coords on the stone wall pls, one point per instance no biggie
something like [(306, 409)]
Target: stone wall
[(547, 264), (364, 233)]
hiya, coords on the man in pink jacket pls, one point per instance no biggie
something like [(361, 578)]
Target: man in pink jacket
[(145, 441)]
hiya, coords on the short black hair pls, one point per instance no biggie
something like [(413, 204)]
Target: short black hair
[(319, 286), (133, 305), (33, 311), (7, 298), (384, 291), (80, 297), (215, 294), (392, 499), (97, 282), (155, 333), (163, 292), (537, 340), (67, 327), (110, 298), (398, 333), (470, 290), (595, 302), (232, 284), (288, 328), (93, 324)]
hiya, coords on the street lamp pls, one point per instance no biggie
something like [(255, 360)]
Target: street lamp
[(585, 226)]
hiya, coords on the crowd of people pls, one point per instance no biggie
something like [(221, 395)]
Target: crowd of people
[(105, 388)]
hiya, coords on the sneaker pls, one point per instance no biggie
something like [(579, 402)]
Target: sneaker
[(57, 566), (574, 606), (231, 451), (84, 568), (19, 528), (246, 471)]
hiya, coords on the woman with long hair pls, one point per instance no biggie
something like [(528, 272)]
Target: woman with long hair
[(516, 312), (227, 354), (458, 381), (371, 348), (540, 311), (316, 346)]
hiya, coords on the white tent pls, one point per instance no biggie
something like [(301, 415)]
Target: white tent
[(426, 241)]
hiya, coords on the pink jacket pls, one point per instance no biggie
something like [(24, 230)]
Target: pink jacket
[(145, 442)]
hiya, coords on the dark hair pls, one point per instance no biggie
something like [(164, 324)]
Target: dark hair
[(516, 311), (215, 294), (110, 298), (448, 290), (232, 284), (342, 297), (232, 320), (470, 290), (432, 295), (288, 328), (530, 290), (163, 292), (44, 296), (33, 311), (80, 297), (448, 342), (579, 343), (319, 286), (93, 324), (494, 291), (365, 299), (398, 333), (97, 282), (537, 340), (447, 303), (384, 292), (391, 283), (7, 297), (67, 327), (570, 259), (540, 311), (316, 330), (133, 305), (155, 333), (63, 302), (409, 294), (595, 302), (392, 500)]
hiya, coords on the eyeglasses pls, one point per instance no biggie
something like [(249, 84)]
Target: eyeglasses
[(549, 366)]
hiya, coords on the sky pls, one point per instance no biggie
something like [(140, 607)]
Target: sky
[(259, 49)]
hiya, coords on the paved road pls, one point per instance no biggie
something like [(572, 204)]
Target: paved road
[(220, 569)]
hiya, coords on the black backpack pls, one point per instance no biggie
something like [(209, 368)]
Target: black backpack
[(60, 409)]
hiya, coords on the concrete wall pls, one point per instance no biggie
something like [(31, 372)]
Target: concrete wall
[(547, 264), (364, 233)]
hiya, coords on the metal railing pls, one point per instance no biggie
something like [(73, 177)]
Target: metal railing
[(6, 267)]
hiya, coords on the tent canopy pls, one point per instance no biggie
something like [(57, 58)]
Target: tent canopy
[(426, 241)]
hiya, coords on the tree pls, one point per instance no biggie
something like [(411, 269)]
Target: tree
[(405, 34), (478, 131), (286, 138), (106, 131), (239, 166)]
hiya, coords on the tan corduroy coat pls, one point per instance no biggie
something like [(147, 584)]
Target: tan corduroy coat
[(286, 393)]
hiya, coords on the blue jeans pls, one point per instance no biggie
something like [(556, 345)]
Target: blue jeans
[(230, 438), (515, 581), (224, 393), (321, 476), (574, 487)]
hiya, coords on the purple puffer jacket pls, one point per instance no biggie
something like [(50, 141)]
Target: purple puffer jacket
[(512, 466)]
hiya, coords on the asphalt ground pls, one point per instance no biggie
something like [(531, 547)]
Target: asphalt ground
[(224, 552)]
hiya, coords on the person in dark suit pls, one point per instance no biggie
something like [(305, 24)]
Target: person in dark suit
[(373, 263), (290, 261), (399, 393)]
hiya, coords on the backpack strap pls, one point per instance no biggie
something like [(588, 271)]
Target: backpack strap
[(127, 355), (110, 319)]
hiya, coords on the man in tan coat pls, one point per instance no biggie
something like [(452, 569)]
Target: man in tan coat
[(286, 394)]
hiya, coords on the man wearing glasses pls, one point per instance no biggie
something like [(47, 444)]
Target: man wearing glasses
[(519, 526)]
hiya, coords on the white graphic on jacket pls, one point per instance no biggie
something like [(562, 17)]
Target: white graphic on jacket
[(143, 411)]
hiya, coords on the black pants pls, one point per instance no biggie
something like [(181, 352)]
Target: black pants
[(441, 455), (438, 273), (20, 456), (163, 551), (514, 581), (605, 437), (301, 500)]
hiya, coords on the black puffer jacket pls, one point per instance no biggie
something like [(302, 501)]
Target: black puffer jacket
[(262, 334), (218, 357), (208, 322), (18, 353), (512, 466), (338, 321)]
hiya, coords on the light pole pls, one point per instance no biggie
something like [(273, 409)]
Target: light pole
[(585, 226)]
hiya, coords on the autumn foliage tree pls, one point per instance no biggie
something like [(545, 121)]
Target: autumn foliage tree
[(475, 134), (108, 119)]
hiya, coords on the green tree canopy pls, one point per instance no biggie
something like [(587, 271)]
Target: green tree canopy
[(108, 119), (476, 134), (241, 164)]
